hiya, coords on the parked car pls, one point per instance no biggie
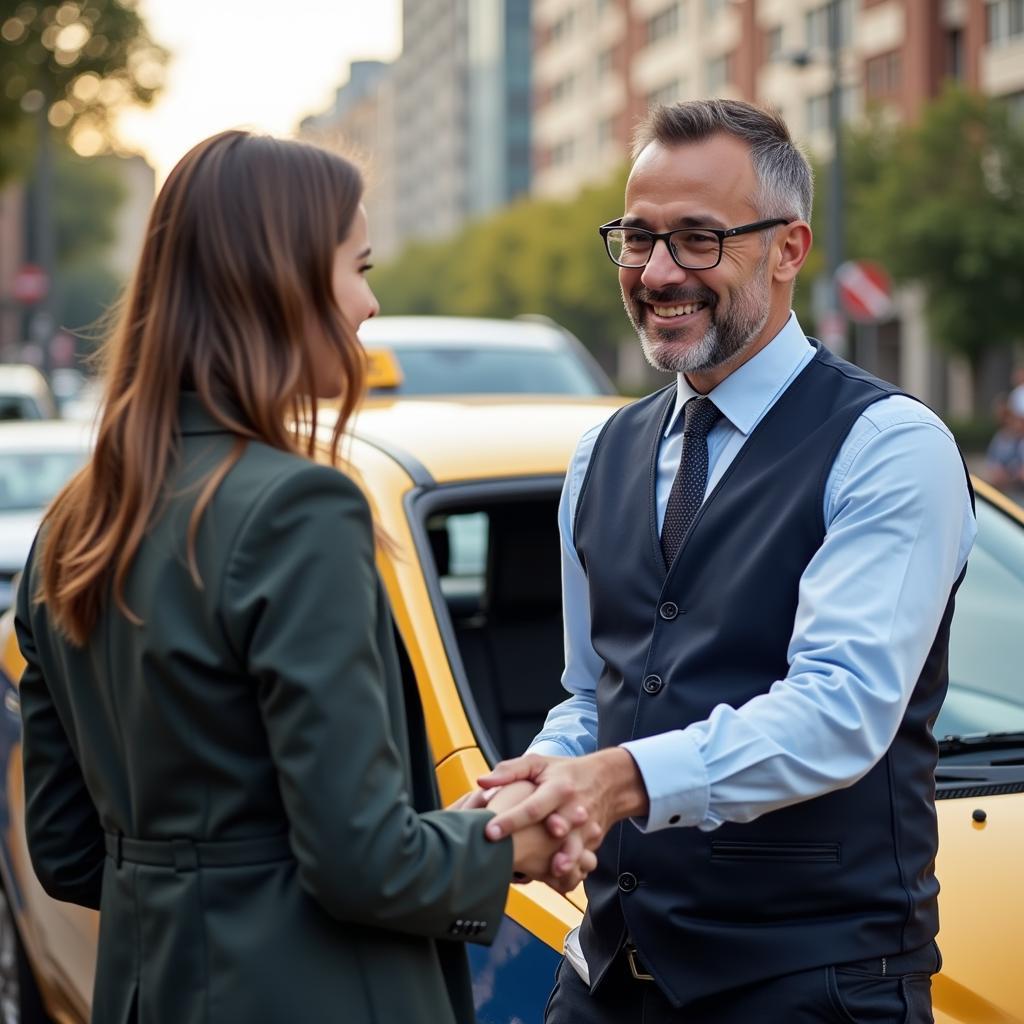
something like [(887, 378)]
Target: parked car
[(470, 505), (36, 459), (442, 355), (24, 394)]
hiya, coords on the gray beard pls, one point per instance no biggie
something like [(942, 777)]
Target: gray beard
[(717, 345), (724, 339)]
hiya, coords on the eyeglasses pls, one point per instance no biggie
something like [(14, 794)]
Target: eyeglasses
[(691, 248)]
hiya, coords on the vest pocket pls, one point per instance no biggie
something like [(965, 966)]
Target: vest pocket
[(788, 853)]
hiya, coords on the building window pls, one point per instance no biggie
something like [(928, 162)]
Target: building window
[(719, 73), (670, 92), (773, 43), (563, 26), (1005, 20), (663, 24), (816, 25), (605, 131), (605, 62), (882, 76), (562, 88), (817, 114), (563, 152), (818, 120), (955, 54), (713, 8)]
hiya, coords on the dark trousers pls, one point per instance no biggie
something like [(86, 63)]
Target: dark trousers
[(857, 993)]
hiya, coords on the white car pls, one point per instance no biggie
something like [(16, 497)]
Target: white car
[(24, 393), (449, 355), (37, 457)]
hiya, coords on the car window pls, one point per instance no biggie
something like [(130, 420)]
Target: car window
[(499, 572), (20, 407), (465, 371), (30, 480), (986, 645)]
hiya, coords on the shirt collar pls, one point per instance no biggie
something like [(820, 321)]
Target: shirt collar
[(745, 395)]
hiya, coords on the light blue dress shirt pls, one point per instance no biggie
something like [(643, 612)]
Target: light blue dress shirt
[(899, 527)]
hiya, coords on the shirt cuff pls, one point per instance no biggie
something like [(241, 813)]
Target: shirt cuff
[(676, 779), (549, 748)]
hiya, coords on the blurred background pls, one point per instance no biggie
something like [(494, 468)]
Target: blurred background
[(495, 137)]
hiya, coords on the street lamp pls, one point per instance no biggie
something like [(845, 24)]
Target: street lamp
[(833, 322)]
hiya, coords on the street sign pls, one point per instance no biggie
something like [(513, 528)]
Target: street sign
[(864, 291), (30, 284)]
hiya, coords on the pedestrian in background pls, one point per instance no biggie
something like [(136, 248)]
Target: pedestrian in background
[(217, 752), (759, 567), (1004, 457)]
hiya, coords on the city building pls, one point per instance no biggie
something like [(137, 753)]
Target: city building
[(462, 112), (361, 126), (599, 64)]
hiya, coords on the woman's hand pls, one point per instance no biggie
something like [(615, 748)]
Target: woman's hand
[(562, 862)]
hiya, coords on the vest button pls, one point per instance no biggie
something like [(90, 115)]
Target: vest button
[(669, 610), (627, 881), (652, 684)]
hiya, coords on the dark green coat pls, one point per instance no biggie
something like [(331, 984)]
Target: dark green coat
[(268, 703)]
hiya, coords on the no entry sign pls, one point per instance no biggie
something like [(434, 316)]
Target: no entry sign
[(30, 284), (865, 291)]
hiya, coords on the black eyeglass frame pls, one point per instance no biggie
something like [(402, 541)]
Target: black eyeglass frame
[(664, 236)]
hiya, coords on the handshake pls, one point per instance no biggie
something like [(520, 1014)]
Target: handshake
[(558, 809)]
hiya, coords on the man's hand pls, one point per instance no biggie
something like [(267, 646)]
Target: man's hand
[(561, 861), (603, 787)]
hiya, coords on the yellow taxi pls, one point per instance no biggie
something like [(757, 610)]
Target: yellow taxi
[(467, 488)]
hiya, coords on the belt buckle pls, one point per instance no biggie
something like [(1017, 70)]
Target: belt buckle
[(634, 965)]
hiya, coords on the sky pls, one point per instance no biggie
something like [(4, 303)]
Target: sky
[(261, 64)]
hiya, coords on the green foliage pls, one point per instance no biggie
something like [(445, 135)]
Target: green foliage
[(537, 256), (78, 61), (87, 196), (942, 203)]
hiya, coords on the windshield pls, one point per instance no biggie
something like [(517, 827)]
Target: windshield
[(986, 645), (30, 480), (496, 371)]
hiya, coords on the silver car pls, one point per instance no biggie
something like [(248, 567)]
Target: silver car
[(449, 355), (37, 457)]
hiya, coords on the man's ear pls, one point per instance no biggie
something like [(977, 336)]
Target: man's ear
[(794, 241)]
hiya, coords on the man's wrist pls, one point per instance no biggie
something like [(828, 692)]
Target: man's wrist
[(624, 784)]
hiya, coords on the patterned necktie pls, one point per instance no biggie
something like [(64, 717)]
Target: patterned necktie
[(699, 416)]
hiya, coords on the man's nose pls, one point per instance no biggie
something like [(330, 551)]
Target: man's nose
[(661, 269)]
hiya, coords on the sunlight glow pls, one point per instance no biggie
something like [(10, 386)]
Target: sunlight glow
[(246, 63)]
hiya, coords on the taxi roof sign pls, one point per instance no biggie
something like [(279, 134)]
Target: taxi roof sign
[(382, 368)]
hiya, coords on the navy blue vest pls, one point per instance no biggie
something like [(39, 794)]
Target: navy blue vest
[(844, 876)]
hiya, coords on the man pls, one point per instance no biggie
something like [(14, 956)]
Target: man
[(759, 569)]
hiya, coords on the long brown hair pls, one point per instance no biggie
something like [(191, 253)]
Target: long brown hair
[(233, 281)]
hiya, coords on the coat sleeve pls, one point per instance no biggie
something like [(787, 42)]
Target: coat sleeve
[(301, 609), (65, 838)]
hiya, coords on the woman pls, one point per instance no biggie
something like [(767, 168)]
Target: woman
[(217, 755)]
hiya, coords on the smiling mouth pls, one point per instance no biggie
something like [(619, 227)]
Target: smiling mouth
[(686, 309)]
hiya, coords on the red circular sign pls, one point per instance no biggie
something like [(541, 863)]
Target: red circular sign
[(30, 284), (865, 291)]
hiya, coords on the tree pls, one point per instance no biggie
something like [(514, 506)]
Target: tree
[(941, 202), (78, 62), (89, 195), (536, 256)]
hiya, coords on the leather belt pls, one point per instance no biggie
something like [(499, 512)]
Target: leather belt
[(189, 855), (635, 965)]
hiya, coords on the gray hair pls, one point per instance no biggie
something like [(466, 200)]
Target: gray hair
[(785, 179)]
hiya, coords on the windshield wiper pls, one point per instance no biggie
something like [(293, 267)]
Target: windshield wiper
[(977, 741)]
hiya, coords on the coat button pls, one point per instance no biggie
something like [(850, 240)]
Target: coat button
[(652, 684), (627, 881), (669, 610)]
